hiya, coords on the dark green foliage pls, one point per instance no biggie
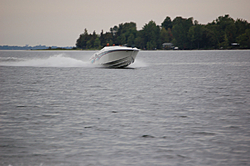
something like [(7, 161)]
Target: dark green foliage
[(184, 33), (151, 35), (180, 31), (82, 40), (167, 23), (244, 39)]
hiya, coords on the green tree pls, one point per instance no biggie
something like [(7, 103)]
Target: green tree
[(102, 39), (89, 45), (195, 35), (82, 40), (192, 35), (180, 31), (213, 35), (241, 26), (226, 25), (124, 31), (108, 38), (151, 45), (171, 37), (167, 23), (209, 39), (151, 34), (139, 42), (244, 39), (164, 36), (131, 40), (225, 43), (97, 43), (123, 39)]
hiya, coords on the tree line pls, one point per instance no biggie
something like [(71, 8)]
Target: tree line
[(184, 33)]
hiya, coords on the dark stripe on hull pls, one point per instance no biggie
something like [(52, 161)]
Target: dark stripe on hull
[(121, 63)]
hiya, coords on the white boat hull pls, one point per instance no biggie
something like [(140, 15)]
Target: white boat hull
[(115, 56)]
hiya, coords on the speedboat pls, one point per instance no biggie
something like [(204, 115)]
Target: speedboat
[(115, 56)]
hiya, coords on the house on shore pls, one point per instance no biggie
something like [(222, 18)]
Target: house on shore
[(167, 46)]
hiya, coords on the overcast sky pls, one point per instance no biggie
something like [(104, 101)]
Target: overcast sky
[(60, 22)]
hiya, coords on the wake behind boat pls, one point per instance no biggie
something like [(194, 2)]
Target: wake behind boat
[(115, 56)]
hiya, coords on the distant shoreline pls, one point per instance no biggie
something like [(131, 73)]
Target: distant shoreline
[(55, 48), (140, 50), (37, 47)]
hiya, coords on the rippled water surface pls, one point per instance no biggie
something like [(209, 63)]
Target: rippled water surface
[(168, 108)]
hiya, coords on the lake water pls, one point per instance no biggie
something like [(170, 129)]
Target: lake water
[(169, 108)]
